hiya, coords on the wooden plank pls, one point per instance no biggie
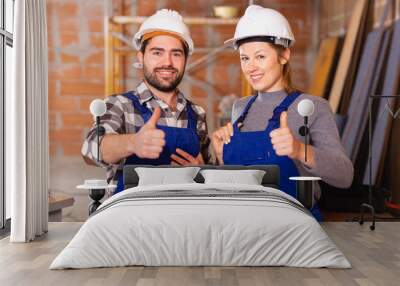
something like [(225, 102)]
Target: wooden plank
[(384, 117), (354, 65), (324, 67), (356, 21), (109, 62), (357, 115), (359, 101), (246, 87)]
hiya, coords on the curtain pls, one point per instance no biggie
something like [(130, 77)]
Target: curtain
[(27, 156)]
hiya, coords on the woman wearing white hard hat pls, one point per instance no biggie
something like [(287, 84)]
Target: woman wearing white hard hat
[(264, 128)]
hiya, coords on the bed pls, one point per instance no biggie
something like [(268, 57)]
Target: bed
[(201, 224)]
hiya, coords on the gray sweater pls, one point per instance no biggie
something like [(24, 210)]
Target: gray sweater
[(332, 164)]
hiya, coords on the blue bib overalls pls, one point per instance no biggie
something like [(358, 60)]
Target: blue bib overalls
[(255, 148), (182, 138)]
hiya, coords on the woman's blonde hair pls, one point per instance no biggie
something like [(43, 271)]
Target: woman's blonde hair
[(287, 72)]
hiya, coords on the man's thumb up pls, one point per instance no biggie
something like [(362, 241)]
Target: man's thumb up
[(152, 122), (149, 141), (283, 120)]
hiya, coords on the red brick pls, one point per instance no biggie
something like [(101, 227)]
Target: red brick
[(51, 87), (93, 72), (54, 73), (97, 40), (176, 5), (62, 104), (76, 120), (146, 8), (67, 39), (72, 72), (224, 32), (228, 58), (220, 74), (96, 25), (51, 55), (95, 58), (52, 120), (200, 71), (67, 9), (65, 135), (69, 24), (195, 8), (52, 149), (82, 88), (126, 7), (65, 72), (84, 103), (71, 149), (198, 34), (202, 101), (279, 4), (197, 92), (67, 58), (118, 7), (93, 10), (49, 39), (300, 46), (225, 88), (51, 8)]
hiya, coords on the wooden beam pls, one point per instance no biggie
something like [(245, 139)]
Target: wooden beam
[(356, 21), (109, 63), (246, 87), (359, 100), (324, 67)]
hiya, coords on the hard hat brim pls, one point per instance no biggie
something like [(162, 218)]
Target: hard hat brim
[(232, 42), (138, 38)]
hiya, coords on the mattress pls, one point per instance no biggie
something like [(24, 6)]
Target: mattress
[(201, 225)]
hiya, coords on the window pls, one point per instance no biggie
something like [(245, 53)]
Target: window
[(6, 44)]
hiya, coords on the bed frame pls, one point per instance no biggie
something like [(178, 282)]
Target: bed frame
[(270, 179)]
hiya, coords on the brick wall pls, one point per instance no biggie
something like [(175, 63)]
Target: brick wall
[(76, 58), (335, 15)]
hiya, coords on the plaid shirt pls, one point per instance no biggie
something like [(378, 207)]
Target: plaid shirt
[(121, 118)]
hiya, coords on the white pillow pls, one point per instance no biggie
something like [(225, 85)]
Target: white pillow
[(166, 176), (248, 177)]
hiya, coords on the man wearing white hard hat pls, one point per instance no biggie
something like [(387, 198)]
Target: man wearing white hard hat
[(154, 124), (265, 127)]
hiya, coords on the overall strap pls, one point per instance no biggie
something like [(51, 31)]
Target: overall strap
[(283, 106), (144, 111), (147, 113), (191, 116), (244, 113)]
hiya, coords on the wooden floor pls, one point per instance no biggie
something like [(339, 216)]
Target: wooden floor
[(375, 256)]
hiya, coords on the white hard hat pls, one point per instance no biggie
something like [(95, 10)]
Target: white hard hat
[(258, 21), (164, 20)]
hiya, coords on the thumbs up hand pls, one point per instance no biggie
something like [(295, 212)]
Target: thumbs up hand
[(283, 140), (149, 141)]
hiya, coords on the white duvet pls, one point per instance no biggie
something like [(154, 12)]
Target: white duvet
[(208, 230)]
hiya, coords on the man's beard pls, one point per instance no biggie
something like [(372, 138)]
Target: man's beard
[(151, 78)]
